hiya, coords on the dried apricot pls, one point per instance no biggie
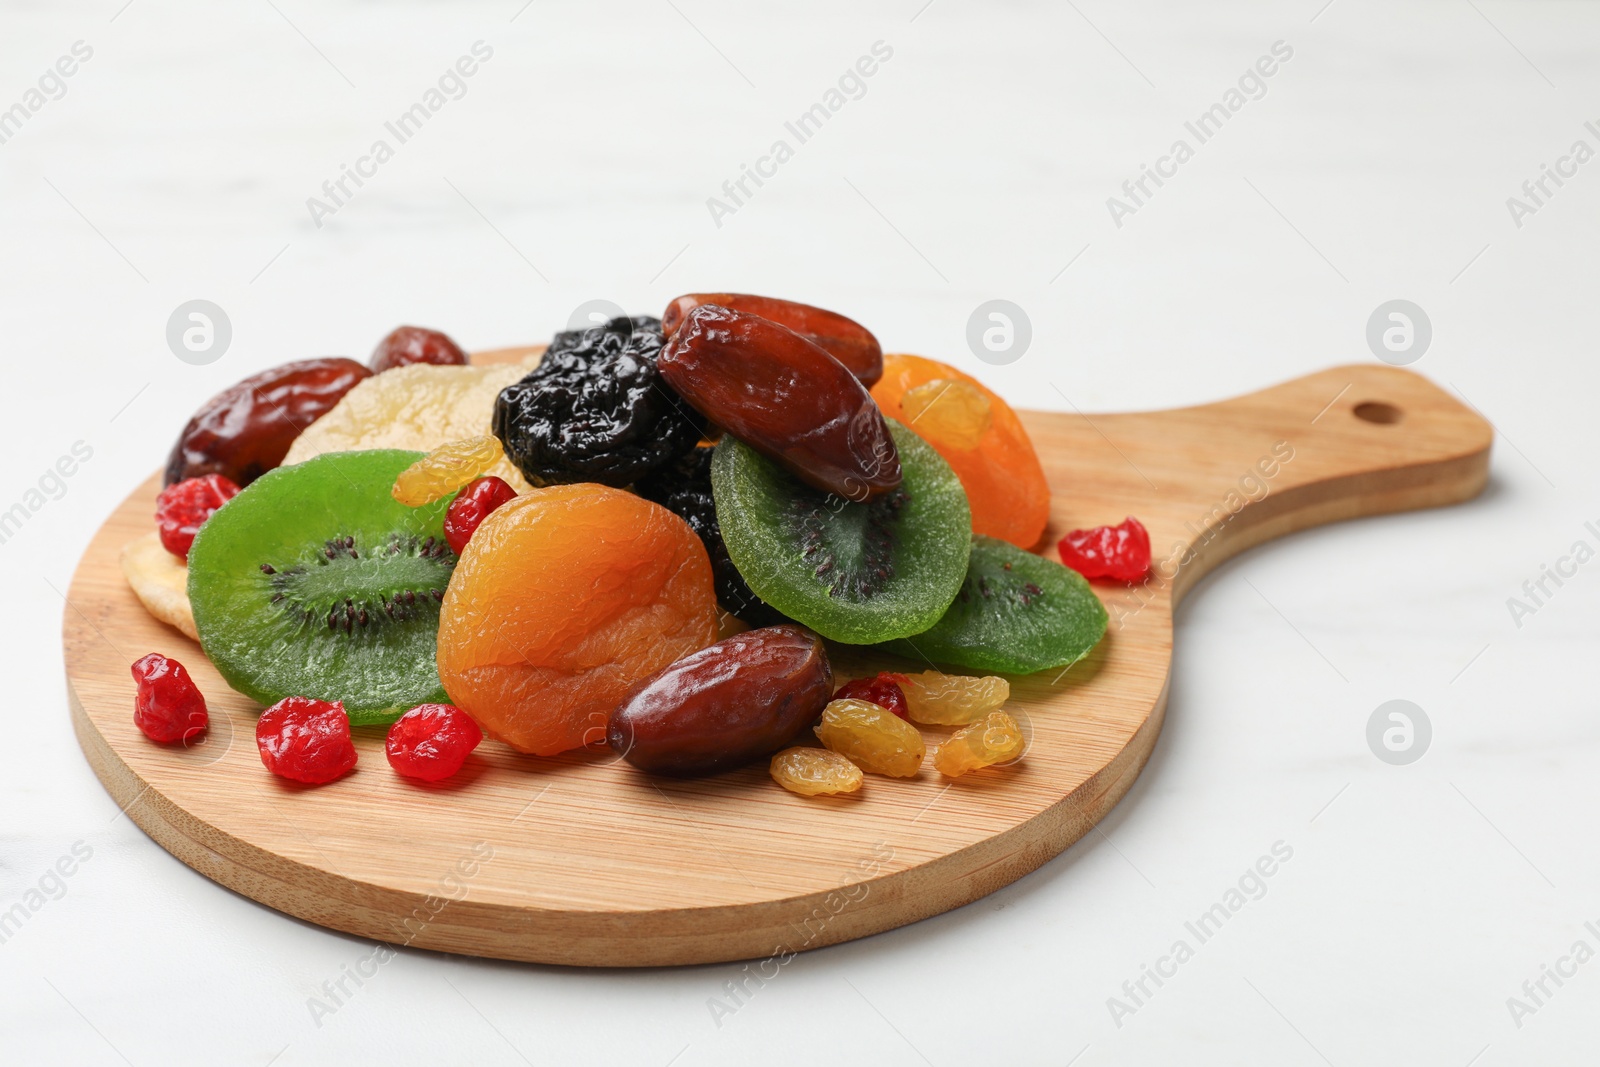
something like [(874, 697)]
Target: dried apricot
[(446, 469), (952, 699), (814, 772), (1005, 484), (563, 601), (949, 412), (871, 737), (995, 739)]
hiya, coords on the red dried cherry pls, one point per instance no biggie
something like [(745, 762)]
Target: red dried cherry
[(306, 740), (183, 508), (414, 344), (431, 741), (169, 706), (844, 339), (785, 397), (883, 690), (471, 506), (1121, 551)]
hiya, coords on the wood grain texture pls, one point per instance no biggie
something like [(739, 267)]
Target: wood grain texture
[(579, 860)]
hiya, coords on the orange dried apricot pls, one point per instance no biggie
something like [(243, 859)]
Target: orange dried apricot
[(1001, 473), (563, 600)]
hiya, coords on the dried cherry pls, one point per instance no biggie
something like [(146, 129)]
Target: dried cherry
[(306, 740), (183, 508), (846, 340), (431, 741), (245, 430), (683, 487), (596, 410), (169, 706), (785, 397), (736, 701), (415, 344), (471, 506), (1121, 551), (884, 690)]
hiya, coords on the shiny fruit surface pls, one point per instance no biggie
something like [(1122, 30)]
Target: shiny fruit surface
[(846, 340), (737, 701), (785, 397)]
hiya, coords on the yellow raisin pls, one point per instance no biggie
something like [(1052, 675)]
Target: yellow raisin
[(873, 738), (948, 412), (952, 699), (814, 771), (996, 739), (446, 469)]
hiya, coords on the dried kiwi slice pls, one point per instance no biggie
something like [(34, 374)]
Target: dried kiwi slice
[(1016, 613), (854, 572), (315, 582)]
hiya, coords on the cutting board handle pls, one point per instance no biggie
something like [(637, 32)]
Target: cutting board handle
[(1355, 440)]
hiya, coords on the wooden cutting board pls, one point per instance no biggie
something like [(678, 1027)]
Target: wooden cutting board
[(582, 860)]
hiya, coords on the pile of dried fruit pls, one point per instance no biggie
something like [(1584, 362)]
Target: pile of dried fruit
[(538, 553)]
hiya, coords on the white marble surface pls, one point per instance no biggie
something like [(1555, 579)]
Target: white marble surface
[(977, 164)]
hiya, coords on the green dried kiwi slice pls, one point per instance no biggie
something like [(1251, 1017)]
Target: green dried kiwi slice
[(314, 581), (858, 573), (1016, 613)]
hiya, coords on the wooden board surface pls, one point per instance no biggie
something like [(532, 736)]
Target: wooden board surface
[(582, 860)]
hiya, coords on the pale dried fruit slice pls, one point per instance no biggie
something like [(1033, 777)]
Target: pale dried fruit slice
[(417, 408), (814, 772), (952, 699), (160, 581)]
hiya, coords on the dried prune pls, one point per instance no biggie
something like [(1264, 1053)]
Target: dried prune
[(624, 326), (596, 410), (846, 340), (684, 488), (785, 397), (736, 701), (245, 430), (407, 345)]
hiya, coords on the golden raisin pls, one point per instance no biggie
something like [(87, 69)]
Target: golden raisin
[(814, 771), (952, 699), (996, 739), (446, 469), (948, 411), (873, 738)]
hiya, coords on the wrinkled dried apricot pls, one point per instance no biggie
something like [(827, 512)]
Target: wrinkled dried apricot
[(814, 772), (446, 469), (564, 600), (1005, 484), (952, 699), (995, 739), (871, 737)]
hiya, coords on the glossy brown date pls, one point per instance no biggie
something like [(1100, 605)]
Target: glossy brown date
[(414, 344), (245, 430), (737, 701), (846, 340), (785, 397)]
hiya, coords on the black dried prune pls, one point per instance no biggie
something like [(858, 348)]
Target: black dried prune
[(596, 409), (683, 487)]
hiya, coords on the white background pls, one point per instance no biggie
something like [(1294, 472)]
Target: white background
[(976, 165)]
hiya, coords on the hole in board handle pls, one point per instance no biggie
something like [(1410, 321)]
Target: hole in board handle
[(1376, 411)]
